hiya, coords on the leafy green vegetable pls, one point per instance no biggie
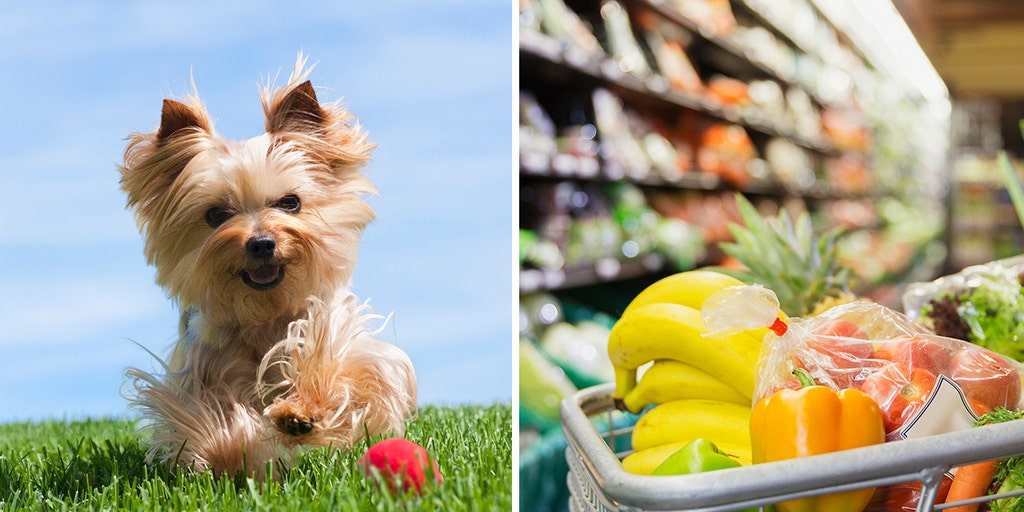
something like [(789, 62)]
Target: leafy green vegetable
[(992, 314), (1009, 472), (999, 415)]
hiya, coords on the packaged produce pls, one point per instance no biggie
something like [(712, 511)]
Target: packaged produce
[(921, 383), (789, 163), (561, 22), (536, 134), (726, 150), (579, 350), (715, 16), (904, 497), (729, 91), (924, 383), (667, 42), (622, 150), (543, 386), (982, 304), (637, 221), (621, 42)]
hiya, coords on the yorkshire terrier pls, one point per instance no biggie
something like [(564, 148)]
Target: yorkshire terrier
[(256, 241)]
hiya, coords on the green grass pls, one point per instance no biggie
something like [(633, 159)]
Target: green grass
[(100, 465)]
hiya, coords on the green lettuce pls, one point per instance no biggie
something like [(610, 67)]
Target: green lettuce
[(991, 315)]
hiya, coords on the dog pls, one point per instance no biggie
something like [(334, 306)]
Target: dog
[(256, 242)]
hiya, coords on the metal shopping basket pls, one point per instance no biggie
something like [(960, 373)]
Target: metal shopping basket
[(597, 482)]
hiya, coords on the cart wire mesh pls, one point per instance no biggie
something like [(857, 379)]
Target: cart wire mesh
[(598, 439)]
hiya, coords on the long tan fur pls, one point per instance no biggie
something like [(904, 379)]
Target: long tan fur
[(273, 350)]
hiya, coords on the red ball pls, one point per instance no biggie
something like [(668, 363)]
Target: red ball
[(399, 462)]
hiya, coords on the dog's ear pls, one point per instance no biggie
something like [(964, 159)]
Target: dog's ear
[(178, 116), (153, 161), (296, 110)]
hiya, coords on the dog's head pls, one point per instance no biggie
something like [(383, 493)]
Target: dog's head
[(247, 230)]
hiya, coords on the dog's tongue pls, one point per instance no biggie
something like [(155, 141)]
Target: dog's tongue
[(264, 274)]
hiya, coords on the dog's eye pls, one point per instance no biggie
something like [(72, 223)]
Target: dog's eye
[(216, 216), (289, 203)]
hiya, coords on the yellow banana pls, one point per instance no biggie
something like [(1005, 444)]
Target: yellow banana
[(673, 331), (645, 461), (685, 420), (690, 288), (668, 380)]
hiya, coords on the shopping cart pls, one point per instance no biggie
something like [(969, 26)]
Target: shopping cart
[(597, 482)]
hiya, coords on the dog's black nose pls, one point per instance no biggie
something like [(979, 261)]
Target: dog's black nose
[(261, 246), (304, 427), (296, 427)]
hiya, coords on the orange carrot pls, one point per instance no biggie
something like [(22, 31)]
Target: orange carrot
[(971, 482)]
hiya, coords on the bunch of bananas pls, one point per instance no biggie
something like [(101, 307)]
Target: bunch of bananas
[(702, 386)]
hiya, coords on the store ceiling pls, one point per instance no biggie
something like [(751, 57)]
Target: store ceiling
[(977, 46)]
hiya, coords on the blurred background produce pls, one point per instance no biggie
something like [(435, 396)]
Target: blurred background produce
[(641, 123)]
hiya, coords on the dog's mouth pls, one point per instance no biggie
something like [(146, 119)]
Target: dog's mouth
[(263, 277)]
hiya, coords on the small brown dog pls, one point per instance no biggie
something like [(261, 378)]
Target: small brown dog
[(256, 240)]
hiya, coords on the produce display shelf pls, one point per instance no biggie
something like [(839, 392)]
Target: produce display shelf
[(653, 90), (597, 482), (603, 270), (571, 167)]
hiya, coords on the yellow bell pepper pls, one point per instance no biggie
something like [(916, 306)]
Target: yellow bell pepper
[(813, 420)]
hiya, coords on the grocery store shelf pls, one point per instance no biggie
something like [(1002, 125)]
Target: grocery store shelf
[(541, 50), (740, 63), (565, 166), (564, 80), (752, 10), (604, 270)]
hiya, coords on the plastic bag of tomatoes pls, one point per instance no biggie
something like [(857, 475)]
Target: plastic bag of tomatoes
[(923, 383)]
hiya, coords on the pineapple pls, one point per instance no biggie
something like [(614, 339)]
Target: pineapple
[(784, 256)]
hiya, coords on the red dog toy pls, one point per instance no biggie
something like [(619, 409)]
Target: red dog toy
[(399, 461)]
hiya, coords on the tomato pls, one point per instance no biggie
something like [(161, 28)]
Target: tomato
[(904, 496), (842, 328), (986, 377), (916, 352), (839, 351), (978, 408), (900, 391)]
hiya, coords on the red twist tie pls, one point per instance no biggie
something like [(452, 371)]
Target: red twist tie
[(779, 327)]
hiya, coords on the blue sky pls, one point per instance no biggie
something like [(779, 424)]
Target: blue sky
[(432, 82)]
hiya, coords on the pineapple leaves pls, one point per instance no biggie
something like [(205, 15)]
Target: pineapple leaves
[(784, 255)]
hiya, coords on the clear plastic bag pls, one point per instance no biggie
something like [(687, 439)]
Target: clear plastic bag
[(924, 383), (983, 304)]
